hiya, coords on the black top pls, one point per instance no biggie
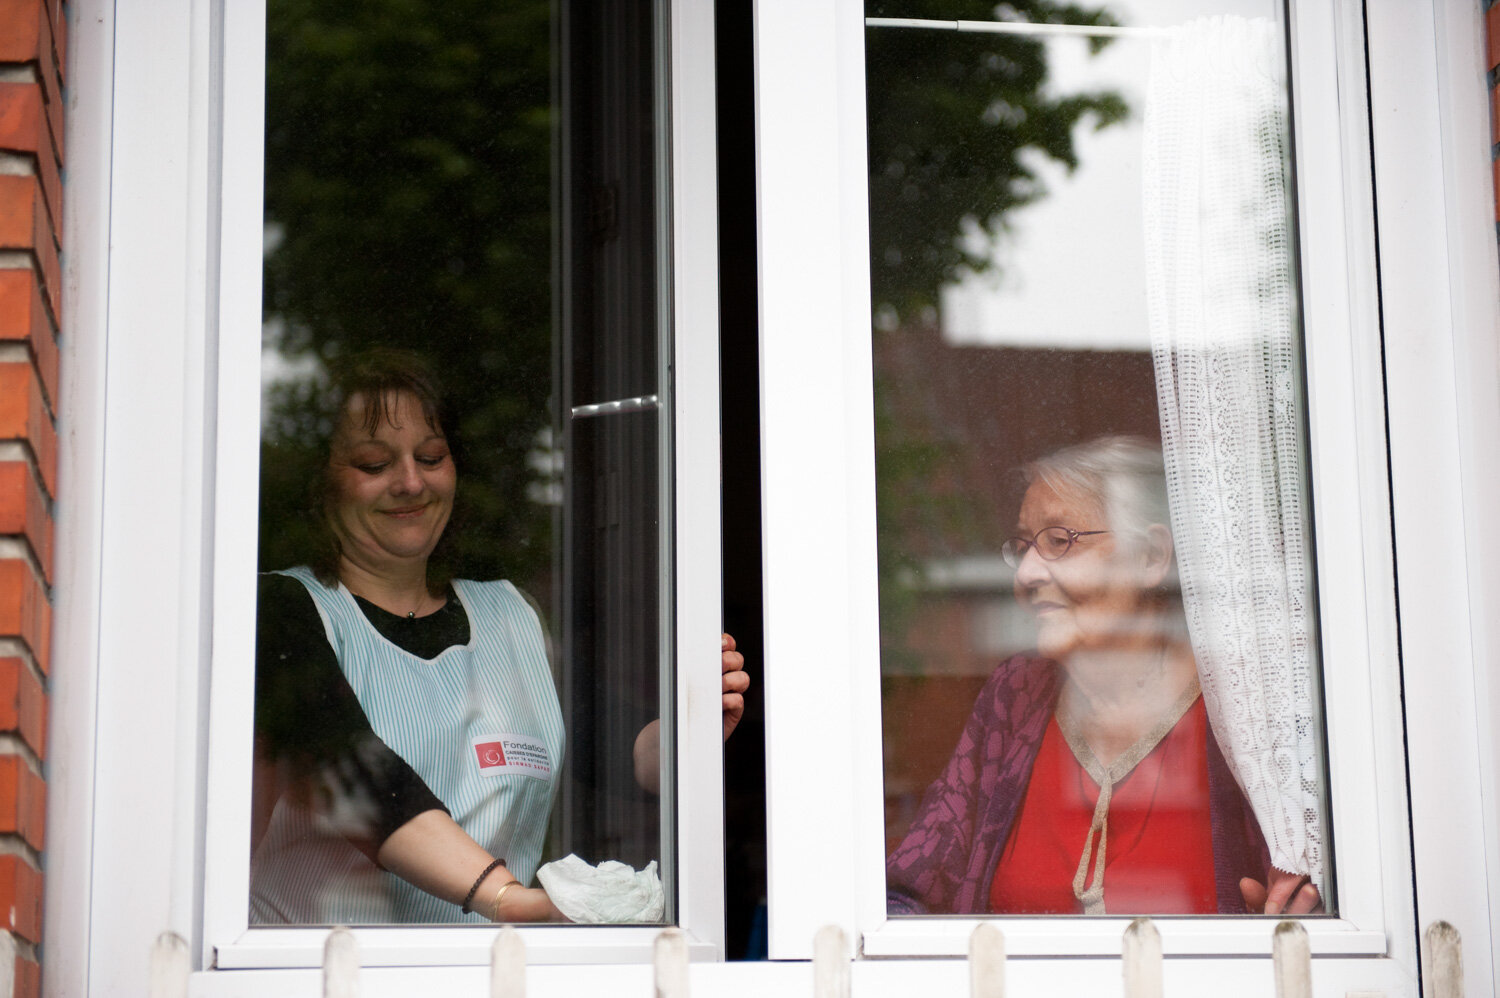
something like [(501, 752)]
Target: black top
[(309, 727)]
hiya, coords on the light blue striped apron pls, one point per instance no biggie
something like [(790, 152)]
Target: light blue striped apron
[(479, 723)]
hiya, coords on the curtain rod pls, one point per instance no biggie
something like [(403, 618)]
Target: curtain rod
[(1017, 27)]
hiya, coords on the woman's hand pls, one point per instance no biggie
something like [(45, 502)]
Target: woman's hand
[(1282, 894), (733, 683), (527, 904), (432, 852)]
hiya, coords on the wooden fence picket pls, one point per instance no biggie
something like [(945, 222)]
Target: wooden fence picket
[(1141, 964), (830, 963), (1442, 962), (340, 964), (508, 965), (169, 967), (986, 961), (671, 964), (1141, 950), (1291, 958)]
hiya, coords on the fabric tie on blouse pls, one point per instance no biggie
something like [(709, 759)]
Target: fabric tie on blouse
[(1092, 896)]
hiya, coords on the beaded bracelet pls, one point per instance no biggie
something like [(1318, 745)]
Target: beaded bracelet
[(475, 889)]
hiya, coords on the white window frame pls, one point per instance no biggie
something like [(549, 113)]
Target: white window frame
[(138, 545), (825, 816), (158, 542)]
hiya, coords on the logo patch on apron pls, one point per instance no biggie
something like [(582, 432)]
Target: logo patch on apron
[(511, 755)]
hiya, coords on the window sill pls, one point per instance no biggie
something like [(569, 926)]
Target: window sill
[(1230, 978)]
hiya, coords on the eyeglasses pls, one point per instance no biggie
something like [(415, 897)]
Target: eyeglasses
[(1051, 543)]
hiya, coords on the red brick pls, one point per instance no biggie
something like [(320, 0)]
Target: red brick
[(26, 36), (24, 225), (22, 30), (57, 20), (23, 705), (23, 801), (24, 128), (25, 613), (20, 898), (24, 512), (24, 318), (24, 417), (1492, 35), (28, 978)]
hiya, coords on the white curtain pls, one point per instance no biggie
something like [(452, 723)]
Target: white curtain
[(1221, 301)]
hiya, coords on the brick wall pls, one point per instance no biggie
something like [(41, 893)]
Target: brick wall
[(32, 46)]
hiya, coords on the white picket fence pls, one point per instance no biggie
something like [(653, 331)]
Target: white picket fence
[(1141, 963)]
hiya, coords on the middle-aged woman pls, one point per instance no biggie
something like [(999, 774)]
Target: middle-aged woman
[(409, 741), (1087, 778)]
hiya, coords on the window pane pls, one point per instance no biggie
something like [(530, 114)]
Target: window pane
[(459, 526), (1091, 459)]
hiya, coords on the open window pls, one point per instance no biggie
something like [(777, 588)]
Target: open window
[(488, 198), (156, 612)]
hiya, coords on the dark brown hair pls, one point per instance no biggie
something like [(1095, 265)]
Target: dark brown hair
[(378, 376)]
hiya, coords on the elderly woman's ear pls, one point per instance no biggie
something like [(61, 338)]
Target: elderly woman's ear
[(1158, 555)]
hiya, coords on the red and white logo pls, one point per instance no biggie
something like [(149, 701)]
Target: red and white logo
[(498, 754), (490, 754)]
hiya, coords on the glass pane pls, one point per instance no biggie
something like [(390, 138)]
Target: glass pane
[(458, 656), (1098, 615)]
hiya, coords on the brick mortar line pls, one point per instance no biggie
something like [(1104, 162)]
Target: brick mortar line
[(22, 72), (16, 547), (18, 947), (13, 744), (21, 450), (26, 948), (12, 844), (17, 158), (16, 648)]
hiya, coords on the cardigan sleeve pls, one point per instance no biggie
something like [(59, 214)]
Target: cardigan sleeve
[(922, 874), (966, 813), (313, 738)]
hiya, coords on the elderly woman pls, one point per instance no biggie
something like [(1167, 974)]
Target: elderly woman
[(1087, 779), (408, 734)]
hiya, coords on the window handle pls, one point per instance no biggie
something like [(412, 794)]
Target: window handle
[(640, 403)]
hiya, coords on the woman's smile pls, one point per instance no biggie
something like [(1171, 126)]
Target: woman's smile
[(392, 486), (406, 512)]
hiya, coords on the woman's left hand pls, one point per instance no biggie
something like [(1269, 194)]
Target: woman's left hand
[(733, 684), (1282, 894), (527, 904)]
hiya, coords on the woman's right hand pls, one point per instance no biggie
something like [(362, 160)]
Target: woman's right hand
[(527, 904), (1282, 894)]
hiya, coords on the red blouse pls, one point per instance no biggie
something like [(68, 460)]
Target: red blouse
[(1159, 859)]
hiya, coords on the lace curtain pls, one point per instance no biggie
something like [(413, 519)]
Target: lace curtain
[(1221, 304)]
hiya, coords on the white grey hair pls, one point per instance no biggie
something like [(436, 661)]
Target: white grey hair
[(1123, 474)]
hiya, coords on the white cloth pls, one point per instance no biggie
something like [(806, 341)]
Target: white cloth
[(1222, 309), (611, 892)]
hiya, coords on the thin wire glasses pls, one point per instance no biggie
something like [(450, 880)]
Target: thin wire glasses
[(1051, 543)]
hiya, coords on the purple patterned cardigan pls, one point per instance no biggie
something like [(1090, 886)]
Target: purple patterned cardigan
[(948, 858)]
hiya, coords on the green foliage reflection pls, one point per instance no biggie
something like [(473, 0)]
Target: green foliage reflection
[(409, 204), (956, 123)]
